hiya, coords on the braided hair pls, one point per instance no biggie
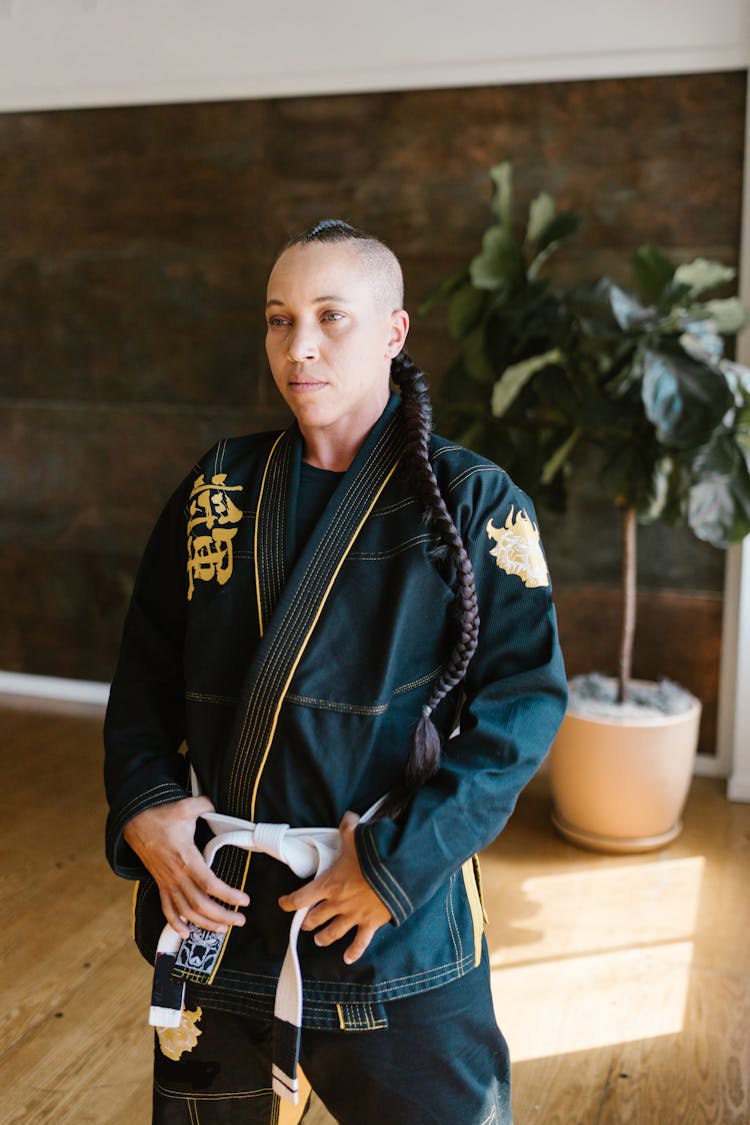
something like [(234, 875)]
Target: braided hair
[(416, 411)]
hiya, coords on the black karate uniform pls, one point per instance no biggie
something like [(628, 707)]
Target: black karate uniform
[(295, 674)]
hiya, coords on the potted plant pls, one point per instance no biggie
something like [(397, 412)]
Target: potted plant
[(641, 380)]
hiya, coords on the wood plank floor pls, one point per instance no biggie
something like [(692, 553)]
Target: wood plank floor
[(622, 984)]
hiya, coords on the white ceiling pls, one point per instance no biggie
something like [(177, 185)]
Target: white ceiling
[(64, 53)]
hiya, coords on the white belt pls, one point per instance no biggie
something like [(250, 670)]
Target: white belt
[(308, 852)]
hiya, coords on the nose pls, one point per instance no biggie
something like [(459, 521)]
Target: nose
[(302, 343)]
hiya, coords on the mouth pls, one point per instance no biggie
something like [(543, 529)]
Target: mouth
[(303, 384)]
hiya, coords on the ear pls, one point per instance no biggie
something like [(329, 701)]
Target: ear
[(398, 333)]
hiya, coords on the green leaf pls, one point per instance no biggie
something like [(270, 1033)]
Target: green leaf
[(718, 509), (475, 356), (554, 464), (743, 441), (722, 456), (626, 309), (711, 510), (464, 310), (541, 213), (729, 316), (563, 226), (702, 274), (701, 341), (500, 263), (660, 482), (514, 379), (653, 271), (683, 398), (447, 286), (502, 196)]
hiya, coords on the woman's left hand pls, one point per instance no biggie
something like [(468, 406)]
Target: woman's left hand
[(342, 898)]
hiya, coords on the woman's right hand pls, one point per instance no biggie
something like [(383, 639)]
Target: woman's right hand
[(163, 839)]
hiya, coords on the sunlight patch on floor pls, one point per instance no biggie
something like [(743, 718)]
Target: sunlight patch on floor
[(597, 957), (557, 1007), (592, 910)]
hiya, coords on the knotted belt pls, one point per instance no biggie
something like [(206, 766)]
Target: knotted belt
[(308, 852)]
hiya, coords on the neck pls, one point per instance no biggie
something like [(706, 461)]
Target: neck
[(330, 451), (334, 447)]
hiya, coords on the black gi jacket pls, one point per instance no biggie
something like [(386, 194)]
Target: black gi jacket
[(296, 682)]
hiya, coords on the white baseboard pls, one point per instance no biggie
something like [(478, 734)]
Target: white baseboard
[(53, 687), (706, 765), (738, 787)]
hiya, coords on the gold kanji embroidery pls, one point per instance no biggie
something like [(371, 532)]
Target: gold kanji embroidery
[(517, 549), (210, 531)]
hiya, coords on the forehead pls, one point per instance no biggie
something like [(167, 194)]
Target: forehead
[(317, 269)]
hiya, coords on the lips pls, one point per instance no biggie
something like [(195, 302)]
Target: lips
[(305, 384)]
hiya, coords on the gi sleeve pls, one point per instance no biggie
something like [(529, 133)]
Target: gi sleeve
[(515, 699), (144, 724)]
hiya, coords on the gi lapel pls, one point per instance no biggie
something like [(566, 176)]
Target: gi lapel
[(288, 610)]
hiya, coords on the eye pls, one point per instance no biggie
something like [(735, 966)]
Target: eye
[(277, 321), (331, 316)]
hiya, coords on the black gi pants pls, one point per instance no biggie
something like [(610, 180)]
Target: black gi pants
[(441, 1061)]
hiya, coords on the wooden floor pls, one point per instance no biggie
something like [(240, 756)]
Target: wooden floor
[(622, 984)]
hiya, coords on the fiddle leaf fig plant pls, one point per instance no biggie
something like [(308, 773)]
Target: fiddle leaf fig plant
[(641, 377)]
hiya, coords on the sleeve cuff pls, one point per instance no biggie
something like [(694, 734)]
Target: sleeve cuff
[(122, 858), (386, 887)]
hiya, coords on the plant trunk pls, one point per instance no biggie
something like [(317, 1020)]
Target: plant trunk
[(629, 569)]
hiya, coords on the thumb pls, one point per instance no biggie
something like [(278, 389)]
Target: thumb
[(197, 806), (349, 821)]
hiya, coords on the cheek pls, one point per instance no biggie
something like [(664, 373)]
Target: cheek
[(273, 351)]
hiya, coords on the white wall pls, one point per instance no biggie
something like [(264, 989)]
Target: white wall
[(66, 53)]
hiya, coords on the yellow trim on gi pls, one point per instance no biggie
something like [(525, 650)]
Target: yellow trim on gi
[(255, 534), (285, 688), (475, 904)]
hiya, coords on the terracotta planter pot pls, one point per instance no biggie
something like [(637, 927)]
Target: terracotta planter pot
[(621, 786)]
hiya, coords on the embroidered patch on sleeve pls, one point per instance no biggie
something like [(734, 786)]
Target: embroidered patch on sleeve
[(176, 1041), (517, 549), (210, 531)]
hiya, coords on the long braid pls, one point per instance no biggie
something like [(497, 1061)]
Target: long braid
[(424, 759), (426, 748)]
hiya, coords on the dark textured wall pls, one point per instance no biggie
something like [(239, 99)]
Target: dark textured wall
[(135, 247)]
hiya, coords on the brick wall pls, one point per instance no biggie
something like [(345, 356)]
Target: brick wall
[(136, 244)]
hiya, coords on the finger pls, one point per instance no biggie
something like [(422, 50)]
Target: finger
[(198, 901), (363, 938), (203, 877), (310, 895), (172, 915), (205, 916), (319, 914), (335, 930)]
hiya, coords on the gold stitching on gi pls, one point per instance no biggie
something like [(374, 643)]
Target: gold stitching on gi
[(393, 552), (450, 914), (384, 991), (360, 708), (470, 473)]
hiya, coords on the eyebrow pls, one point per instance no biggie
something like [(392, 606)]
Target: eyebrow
[(316, 300)]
